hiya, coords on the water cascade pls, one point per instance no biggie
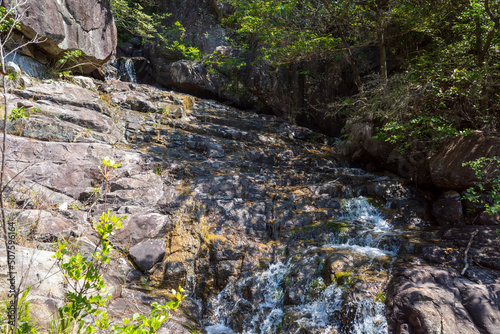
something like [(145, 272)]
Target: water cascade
[(363, 246), (127, 69)]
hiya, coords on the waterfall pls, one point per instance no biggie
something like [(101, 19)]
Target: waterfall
[(127, 69), (124, 70), (327, 309)]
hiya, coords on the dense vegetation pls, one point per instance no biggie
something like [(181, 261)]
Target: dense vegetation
[(447, 54), (138, 19)]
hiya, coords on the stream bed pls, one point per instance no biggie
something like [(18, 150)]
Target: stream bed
[(267, 227)]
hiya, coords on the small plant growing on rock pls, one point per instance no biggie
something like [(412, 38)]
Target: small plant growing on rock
[(83, 276), (87, 295), (17, 113), (487, 171), (106, 171)]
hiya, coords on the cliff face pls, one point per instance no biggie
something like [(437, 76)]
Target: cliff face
[(86, 25)]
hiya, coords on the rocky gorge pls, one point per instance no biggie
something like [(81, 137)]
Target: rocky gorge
[(266, 224)]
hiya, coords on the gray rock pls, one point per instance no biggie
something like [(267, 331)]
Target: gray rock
[(446, 169), (12, 67), (147, 253), (72, 25), (139, 227), (84, 82), (432, 300), (51, 229), (447, 209)]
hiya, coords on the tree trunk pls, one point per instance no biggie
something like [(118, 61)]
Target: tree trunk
[(352, 60), (350, 56), (381, 46)]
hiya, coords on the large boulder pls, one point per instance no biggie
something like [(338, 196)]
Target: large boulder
[(446, 167), (201, 19), (433, 300), (86, 25)]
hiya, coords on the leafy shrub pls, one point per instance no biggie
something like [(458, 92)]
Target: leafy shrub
[(86, 297), (26, 324), (172, 40), (427, 129), (487, 171)]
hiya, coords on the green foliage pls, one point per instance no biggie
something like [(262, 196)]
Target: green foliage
[(131, 18), (83, 276), (86, 297), (158, 169), (173, 40), (285, 30), (67, 63), (428, 129), (343, 277), (26, 324), (110, 163), (87, 294), (462, 60), (487, 171), (380, 297), (8, 21), (21, 113), (18, 113), (140, 324)]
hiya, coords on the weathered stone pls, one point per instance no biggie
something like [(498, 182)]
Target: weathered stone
[(139, 227), (446, 169), (57, 228), (187, 76), (13, 68), (67, 168), (84, 25), (37, 268), (431, 300), (147, 253), (447, 209), (110, 86), (63, 93), (84, 82), (139, 189)]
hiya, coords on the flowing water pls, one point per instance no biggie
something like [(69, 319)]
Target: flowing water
[(292, 240), (353, 302), (125, 70)]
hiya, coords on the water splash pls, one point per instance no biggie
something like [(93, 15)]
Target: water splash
[(267, 314), (320, 313), (325, 310), (128, 70)]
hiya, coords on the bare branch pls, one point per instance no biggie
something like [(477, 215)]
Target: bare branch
[(35, 40)]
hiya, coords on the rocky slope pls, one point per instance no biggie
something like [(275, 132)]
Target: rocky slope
[(252, 215)]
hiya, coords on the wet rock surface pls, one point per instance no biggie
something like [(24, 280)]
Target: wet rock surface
[(260, 220)]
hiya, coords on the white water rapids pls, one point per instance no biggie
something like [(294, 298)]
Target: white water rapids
[(323, 313)]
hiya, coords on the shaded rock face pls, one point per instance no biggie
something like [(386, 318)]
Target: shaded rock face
[(464, 305), (201, 19), (437, 289), (299, 92), (447, 209), (446, 168), (259, 219), (286, 92), (86, 25)]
